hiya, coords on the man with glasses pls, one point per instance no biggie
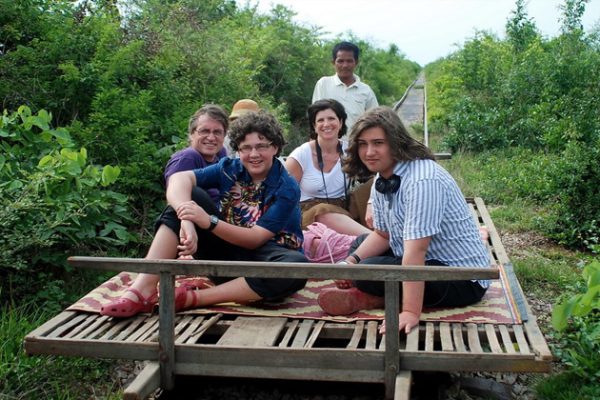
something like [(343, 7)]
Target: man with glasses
[(257, 219), (206, 135)]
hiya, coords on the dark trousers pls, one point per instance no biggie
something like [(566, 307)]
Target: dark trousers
[(212, 247), (437, 293)]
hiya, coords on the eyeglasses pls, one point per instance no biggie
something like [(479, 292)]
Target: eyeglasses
[(260, 147), (206, 132)]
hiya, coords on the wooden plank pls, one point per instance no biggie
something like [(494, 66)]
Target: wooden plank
[(314, 335), (82, 326), (429, 336), (190, 329), (166, 339), (412, 339), (466, 361), (356, 335), (506, 340), (151, 334), (291, 329), (492, 339), (282, 363), (494, 236), (378, 272), (446, 337), (458, 337), (371, 341), (194, 336), (403, 384), (61, 329), (253, 332), (123, 328), (473, 338), (94, 348), (302, 333), (94, 329), (145, 330), (144, 384), (52, 324), (521, 341), (392, 336)]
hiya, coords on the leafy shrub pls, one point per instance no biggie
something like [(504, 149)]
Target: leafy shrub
[(575, 220), (51, 199), (581, 304)]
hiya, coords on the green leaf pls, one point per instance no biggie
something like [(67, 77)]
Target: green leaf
[(110, 174), (560, 316), (45, 161), (14, 185), (62, 136)]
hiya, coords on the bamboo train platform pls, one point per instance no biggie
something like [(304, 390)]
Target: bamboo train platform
[(229, 345)]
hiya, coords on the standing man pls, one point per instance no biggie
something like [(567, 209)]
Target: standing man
[(345, 87)]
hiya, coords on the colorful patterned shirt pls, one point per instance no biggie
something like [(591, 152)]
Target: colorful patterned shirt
[(273, 204)]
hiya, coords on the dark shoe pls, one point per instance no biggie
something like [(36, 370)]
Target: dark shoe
[(336, 301)]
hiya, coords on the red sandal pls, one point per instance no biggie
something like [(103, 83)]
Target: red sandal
[(181, 293), (124, 307)]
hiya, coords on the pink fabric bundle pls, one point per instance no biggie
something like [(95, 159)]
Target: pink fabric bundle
[(324, 245)]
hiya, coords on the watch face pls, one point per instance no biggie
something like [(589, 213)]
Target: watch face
[(214, 219)]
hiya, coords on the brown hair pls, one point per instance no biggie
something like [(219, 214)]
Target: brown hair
[(402, 146), (260, 122), (322, 105), (214, 112)]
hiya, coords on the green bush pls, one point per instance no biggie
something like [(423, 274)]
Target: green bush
[(51, 199), (537, 94)]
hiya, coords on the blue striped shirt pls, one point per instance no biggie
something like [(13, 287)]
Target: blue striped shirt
[(430, 203)]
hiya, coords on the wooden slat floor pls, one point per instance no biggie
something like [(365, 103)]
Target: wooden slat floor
[(470, 347), (286, 348)]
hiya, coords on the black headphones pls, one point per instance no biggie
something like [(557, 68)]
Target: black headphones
[(390, 185)]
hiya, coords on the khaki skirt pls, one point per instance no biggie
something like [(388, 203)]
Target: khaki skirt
[(311, 209)]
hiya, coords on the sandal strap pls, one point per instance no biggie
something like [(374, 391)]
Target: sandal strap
[(145, 301)]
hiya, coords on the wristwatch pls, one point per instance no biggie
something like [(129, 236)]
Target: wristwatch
[(214, 220)]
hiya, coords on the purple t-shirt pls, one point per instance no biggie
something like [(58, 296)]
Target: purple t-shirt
[(189, 159)]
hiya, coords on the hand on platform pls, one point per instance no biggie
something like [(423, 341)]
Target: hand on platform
[(406, 321)]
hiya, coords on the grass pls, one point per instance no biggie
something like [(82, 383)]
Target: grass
[(45, 377)]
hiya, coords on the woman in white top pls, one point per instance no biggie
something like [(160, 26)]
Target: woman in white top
[(317, 167)]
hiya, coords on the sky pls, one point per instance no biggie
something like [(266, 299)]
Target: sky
[(424, 30)]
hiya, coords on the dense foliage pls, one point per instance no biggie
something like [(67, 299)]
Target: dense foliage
[(536, 93), (52, 201), (529, 105)]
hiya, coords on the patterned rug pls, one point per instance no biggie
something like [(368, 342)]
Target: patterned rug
[(503, 303)]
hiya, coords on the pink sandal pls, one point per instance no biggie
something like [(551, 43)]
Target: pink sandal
[(124, 307), (181, 293)]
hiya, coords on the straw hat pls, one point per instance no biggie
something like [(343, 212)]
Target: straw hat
[(242, 107)]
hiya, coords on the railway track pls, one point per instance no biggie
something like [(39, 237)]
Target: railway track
[(412, 110)]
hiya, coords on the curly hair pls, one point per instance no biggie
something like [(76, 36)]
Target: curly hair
[(214, 112), (322, 105), (263, 123), (402, 146)]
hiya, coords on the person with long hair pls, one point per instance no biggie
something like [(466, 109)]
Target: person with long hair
[(420, 218)]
